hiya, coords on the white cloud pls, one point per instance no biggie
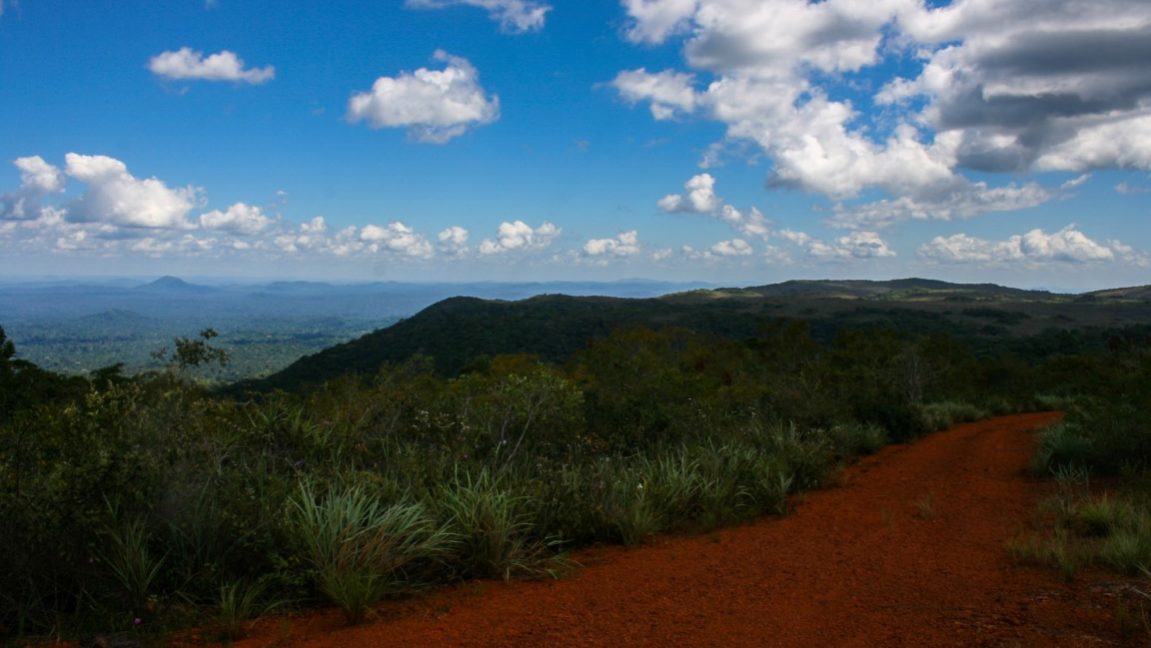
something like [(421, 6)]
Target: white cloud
[(1126, 188), (1029, 85), (514, 16), (856, 245), (186, 63), (700, 197), (453, 241), (734, 247), (752, 222), (434, 105), (117, 197), (624, 245), (1038, 84), (1036, 247), (312, 236), (653, 21), (669, 92), (38, 179), (963, 200), (1075, 182), (398, 238), (519, 236), (240, 218)]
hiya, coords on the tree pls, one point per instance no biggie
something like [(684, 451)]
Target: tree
[(194, 352)]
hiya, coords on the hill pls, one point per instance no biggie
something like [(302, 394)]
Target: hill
[(170, 284), (457, 331), (1134, 293), (896, 290)]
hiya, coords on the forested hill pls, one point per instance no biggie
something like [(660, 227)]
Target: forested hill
[(458, 331)]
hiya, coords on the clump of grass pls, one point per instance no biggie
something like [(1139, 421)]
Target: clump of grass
[(629, 510), (856, 439), (1133, 620), (492, 528), (945, 414), (1103, 516), (359, 547), (1068, 556), (131, 564), (1128, 550), (1028, 549), (1061, 447), (1109, 529), (239, 602)]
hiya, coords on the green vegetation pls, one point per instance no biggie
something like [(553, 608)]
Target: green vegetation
[(149, 502), (1106, 436)]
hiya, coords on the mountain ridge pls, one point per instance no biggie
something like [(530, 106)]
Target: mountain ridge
[(458, 330)]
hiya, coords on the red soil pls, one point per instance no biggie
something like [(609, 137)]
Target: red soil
[(906, 550)]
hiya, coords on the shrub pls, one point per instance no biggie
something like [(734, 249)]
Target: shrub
[(1061, 446)]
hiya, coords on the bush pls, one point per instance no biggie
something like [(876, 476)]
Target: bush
[(1060, 446)]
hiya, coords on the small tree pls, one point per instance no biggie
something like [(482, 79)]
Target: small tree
[(193, 352)]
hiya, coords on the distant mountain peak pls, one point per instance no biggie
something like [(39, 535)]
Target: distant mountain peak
[(173, 284)]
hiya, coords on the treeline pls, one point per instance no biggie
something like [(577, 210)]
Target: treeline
[(136, 504)]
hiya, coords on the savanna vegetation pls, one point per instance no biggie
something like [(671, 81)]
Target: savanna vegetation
[(1100, 459), (143, 503)]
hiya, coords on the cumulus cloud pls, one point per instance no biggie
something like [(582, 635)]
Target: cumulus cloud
[(240, 218), (653, 21), (962, 200), (453, 241), (115, 196), (856, 245), (752, 222), (734, 247), (186, 63), (624, 245), (397, 238), (1032, 85), (434, 105), (38, 179), (700, 198), (514, 16), (669, 92), (1038, 84), (1036, 247), (519, 236), (120, 215), (313, 237)]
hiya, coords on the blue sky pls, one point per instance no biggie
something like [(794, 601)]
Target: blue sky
[(736, 141)]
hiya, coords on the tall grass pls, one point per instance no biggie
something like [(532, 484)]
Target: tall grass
[(359, 547), (492, 528), (131, 563)]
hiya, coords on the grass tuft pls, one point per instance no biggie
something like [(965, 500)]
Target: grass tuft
[(359, 547)]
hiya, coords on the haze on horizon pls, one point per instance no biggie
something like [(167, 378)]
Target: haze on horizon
[(730, 141)]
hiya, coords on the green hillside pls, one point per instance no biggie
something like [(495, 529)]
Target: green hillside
[(458, 331)]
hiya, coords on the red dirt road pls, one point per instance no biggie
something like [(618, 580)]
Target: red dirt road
[(907, 550)]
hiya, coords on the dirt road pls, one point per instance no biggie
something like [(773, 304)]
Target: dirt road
[(906, 550)]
